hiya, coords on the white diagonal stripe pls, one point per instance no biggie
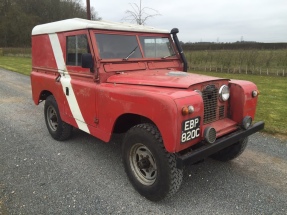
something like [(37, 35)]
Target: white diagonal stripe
[(66, 82)]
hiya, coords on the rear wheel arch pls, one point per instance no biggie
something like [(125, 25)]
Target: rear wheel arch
[(57, 128), (44, 95)]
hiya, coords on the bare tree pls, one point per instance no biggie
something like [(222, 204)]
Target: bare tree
[(140, 14), (95, 14)]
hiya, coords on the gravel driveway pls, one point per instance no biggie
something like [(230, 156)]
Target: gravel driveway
[(84, 175)]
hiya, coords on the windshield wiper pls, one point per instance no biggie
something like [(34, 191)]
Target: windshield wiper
[(168, 56), (130, 54)]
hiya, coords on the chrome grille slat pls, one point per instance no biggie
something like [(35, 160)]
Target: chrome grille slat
[(221, 112), (210, 99)]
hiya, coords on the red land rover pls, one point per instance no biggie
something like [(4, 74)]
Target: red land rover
[(106, 78)]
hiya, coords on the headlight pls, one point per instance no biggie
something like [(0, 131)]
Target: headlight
[(224, 93)]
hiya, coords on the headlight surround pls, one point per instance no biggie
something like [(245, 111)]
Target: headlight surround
[(199, 92), (224, 93)]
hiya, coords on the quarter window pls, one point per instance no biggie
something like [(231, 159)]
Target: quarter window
[(76, 46)]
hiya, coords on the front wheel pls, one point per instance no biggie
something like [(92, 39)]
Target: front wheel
[(231, 152), (58, 129), (150, 168)]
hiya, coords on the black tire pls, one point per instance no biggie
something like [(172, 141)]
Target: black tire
[(231, 152), (150, 168), (58, 129)]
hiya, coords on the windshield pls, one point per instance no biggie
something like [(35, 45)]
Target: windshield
[(156, 47), (113, 46), (117, 46)]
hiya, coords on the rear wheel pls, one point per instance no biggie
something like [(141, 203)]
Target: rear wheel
[(150, 168), (231, 152), (58, 129)]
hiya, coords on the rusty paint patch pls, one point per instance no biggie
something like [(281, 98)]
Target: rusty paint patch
[(85, 92)]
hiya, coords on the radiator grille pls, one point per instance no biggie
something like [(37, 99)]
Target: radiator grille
[(221, 112), (210, 97)]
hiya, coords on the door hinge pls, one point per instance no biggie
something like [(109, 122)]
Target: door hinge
[(96, 120)]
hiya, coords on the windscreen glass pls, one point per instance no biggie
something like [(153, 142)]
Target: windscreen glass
[(112, 46), (156, 47)]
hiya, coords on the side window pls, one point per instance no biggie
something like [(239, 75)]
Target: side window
[(76, 46)]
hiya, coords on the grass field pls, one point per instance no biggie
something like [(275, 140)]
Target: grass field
[(16, 64), (272, 99), (267, 62)]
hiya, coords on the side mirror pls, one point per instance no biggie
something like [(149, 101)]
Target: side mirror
[(87, 61)]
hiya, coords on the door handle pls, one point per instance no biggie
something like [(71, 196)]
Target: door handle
[(67, 91)]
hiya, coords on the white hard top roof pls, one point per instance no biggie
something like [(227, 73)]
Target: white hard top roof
[(77, 24)]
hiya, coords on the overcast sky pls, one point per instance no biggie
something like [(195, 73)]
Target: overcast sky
[(209, 20)]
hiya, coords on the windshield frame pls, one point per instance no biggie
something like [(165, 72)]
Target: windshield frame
[(140, 48)]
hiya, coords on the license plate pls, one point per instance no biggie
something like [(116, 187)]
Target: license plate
[(190, 129)]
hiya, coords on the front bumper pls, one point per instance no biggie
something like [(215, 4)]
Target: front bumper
[(221, 143)]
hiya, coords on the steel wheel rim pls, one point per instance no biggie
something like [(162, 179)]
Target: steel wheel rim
[(143, 164), (52, 118)]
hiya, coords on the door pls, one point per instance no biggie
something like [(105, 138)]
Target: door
[(78, 83)]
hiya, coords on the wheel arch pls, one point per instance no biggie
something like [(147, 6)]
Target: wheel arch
[(126, 121), (44, 94)]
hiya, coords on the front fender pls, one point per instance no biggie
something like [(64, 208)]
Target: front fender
[(241, 101), (115, 100)]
